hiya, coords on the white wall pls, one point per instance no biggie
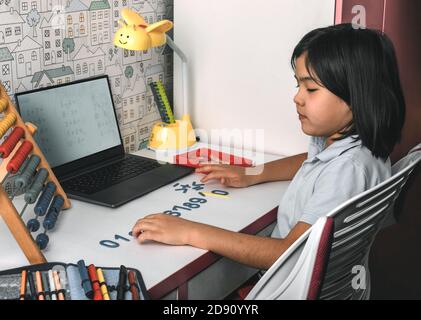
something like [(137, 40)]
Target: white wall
[(239, 65)]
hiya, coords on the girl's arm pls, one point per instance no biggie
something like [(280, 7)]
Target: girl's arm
[(255, 251), (282, 169), (238, 177)]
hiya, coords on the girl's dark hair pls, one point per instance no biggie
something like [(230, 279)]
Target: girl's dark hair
[(360, 67)]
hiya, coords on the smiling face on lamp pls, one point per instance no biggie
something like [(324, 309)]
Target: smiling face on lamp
[(132, 38), (136, 34)]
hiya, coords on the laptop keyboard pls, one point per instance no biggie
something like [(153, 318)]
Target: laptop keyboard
[(107, 176)]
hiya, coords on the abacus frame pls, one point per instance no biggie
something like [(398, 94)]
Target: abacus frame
[(8, 211)]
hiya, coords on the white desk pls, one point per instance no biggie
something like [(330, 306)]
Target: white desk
[(169, 271)]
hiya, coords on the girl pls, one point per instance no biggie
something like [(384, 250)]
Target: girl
[(350, 102)]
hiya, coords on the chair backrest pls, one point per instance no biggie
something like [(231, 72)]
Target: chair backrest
[(322, 257), (355, 223), (292, 274), (412, 155)]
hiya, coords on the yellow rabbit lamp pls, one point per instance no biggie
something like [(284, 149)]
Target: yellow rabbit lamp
[(136, 34)]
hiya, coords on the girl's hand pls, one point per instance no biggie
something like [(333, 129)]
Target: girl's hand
[(230, 176), (163, 228)]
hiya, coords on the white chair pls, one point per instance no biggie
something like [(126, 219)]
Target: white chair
[(398, 166), (305, 271), (290, 276)]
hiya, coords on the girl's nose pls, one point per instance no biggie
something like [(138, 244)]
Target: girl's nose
[(298, 100)]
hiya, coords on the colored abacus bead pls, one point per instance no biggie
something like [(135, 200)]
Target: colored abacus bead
[(45, 198), (50, 221), (33, 225), (53, 212), (11, 141), (32, 194), (6, 123), (34, 190), (4, 102), (41, 207), (23, 180), (19, 157), (42, 241)]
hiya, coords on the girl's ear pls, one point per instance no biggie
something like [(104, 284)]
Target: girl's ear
[(161, 26)]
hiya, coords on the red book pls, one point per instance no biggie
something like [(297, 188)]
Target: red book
[(193, 158)]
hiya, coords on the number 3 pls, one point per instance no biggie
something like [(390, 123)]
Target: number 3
[(172, 213)]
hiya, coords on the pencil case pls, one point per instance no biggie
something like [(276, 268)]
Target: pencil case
[(71, 283)]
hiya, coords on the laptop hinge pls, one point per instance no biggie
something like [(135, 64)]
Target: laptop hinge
[(93, 167)]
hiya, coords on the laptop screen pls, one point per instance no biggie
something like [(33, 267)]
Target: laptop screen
[(74, 121)]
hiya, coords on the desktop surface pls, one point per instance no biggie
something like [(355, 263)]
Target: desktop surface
[(101, 235)]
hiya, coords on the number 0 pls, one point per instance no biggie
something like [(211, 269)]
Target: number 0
[(109, 244)]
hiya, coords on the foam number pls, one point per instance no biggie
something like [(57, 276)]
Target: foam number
[(172, 213), (193, 203), (114, 244)]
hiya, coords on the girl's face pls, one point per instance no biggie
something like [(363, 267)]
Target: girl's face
[(321, 113)]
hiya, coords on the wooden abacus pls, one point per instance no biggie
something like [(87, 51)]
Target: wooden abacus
[(7, 209)]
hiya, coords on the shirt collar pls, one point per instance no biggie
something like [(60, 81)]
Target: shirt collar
[(318, 151)]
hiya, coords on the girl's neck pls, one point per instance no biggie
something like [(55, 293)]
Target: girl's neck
[(330, 140)]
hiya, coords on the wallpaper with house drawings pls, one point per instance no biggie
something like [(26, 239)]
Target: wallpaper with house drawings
[(48, 42)]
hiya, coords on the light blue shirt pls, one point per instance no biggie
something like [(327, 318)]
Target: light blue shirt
[(329, 177)]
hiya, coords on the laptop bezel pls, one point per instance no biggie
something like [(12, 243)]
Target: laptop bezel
[(75, 167)]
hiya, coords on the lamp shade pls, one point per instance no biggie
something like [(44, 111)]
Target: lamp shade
[(136, 34)]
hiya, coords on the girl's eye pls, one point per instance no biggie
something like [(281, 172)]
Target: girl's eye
[(311, 90)]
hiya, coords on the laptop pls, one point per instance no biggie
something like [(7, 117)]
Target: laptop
[(79, 135)]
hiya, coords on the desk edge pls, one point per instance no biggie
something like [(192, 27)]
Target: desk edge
[(180, 277)]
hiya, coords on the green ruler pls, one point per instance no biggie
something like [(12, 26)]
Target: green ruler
[(162, 102)]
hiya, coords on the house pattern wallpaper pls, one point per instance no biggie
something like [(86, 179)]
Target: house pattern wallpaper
[(49, 42)]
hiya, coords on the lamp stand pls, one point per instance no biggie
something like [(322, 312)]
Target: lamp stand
[(179, 135)]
